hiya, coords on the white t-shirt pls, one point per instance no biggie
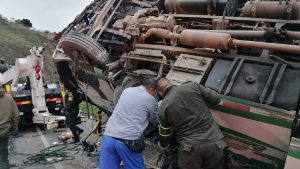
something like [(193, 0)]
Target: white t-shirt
[(135, 108)]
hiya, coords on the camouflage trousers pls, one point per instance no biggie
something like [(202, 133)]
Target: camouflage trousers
[(4, 163), (202, 156)]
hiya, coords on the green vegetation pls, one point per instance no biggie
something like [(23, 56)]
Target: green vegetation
[(24, 22), (16, 40), (93, 110)]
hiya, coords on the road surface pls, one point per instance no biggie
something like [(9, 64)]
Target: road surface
[(31, 140)]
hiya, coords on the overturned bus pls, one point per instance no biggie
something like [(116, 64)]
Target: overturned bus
[(247, 51)]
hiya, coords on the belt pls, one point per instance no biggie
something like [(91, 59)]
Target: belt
[(126, 141), (122, 140)]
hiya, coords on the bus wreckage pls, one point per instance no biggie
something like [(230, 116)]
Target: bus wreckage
[(247, 51)]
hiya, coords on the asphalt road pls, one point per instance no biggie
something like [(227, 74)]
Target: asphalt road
[(31, 140)]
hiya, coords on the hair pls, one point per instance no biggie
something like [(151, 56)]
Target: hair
[(150, 82), (163, 84)]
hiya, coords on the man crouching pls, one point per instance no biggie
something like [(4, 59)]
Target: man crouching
[(122, 140)]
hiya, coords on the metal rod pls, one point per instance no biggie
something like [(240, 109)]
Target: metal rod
[(234, 77), (228, 74), (175, 49), (293, 34), (255, 33), (276, 83), (205, 53), (213, 40), (108, 20), (241, 33), (100, 17), (269, 46), (160, 61), (270, 78), (193, 17)]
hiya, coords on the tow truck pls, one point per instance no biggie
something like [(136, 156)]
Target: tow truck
[(37, 102)]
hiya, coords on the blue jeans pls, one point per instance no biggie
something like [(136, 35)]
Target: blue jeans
[(114, 151)]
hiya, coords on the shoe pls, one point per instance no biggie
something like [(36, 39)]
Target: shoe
[(80, 131), (76, 140), (12, 165)]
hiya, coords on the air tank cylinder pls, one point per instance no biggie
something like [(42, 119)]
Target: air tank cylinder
[(272, 9), (205, 39), (196, 7)]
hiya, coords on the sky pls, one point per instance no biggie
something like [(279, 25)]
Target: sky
[(51, 15)]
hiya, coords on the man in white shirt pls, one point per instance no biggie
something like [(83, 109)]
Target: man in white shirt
[(122, 140)]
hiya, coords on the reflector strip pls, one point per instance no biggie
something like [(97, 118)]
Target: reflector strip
[(236, 106), (23, 102), (53, 99), (62, 88), (8, 90)]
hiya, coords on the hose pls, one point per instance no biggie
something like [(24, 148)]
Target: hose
[(53, 154)]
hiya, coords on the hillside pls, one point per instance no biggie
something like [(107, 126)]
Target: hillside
[(16, 40)]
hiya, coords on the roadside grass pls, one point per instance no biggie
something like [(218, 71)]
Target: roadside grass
[(88, 107), (16, 40), (93, 111)]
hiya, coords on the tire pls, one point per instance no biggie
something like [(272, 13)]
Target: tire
[(128, 81), (87, 46), (117, 93), (131, 81)]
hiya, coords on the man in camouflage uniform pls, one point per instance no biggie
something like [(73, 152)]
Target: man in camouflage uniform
[(9, 121), (184, 111), (71, 112)]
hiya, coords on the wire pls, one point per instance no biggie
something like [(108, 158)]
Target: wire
[(86, 101), (53, 154)]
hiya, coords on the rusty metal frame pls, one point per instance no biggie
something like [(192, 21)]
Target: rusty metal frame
[(185, 16), (162, 61)]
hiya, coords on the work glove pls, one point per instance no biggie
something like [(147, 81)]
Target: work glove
[(162, 149)]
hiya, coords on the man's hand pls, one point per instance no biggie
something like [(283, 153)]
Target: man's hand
[(162, 149)]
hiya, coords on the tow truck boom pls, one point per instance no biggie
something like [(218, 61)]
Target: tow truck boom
[(32, 66)]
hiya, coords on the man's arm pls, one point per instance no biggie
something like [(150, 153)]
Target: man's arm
[(153, 114), (165, 130), (210, 96), (15, 117)]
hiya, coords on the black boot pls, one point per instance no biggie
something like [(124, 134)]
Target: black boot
[(75, 135), (79, 131), (76, 139)]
